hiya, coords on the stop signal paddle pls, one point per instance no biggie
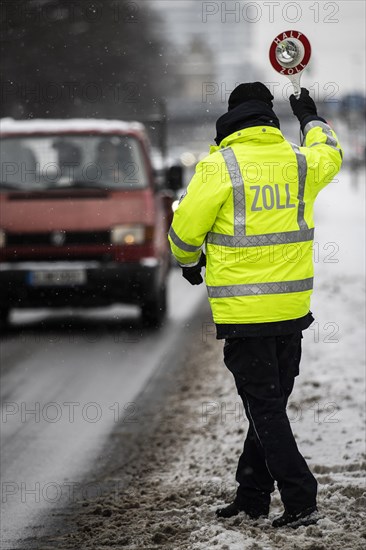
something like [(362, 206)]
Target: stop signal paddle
[(289, 54)]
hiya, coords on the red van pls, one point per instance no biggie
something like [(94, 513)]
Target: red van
[(83, 221)]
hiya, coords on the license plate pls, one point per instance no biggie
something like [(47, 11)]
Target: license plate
[(57, 278)]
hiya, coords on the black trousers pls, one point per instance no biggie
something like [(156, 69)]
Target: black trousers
[(264, 370)]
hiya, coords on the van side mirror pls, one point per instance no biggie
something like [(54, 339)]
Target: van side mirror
[(174, 177)]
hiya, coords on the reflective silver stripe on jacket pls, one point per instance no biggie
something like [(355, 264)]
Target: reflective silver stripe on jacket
[(255, 289), (238, 190), (190, 265), (331, 141), (302, 169), (336, 148), (267, 239), (181, 244)]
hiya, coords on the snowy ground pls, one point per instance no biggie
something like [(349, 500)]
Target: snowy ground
[(185, 467)]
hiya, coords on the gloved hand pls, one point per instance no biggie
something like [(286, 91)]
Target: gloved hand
[(304, 107), (193, 274)]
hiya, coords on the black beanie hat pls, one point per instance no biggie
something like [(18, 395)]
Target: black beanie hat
[(250, 90)]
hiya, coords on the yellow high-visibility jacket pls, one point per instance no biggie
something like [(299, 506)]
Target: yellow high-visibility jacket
[(250, 203)]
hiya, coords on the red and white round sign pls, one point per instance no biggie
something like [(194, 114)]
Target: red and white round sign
[(290, 52)]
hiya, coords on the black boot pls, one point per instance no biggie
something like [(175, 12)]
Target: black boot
[(233, 509), (228, 511), (309, 516)]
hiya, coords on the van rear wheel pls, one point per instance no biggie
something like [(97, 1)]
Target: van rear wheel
[(154, 309)]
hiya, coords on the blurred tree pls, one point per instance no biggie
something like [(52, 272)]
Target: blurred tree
[(63, 58)]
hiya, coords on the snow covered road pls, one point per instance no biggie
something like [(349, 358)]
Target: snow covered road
[(66, 383)]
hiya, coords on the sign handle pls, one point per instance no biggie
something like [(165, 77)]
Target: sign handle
[(295, 81)]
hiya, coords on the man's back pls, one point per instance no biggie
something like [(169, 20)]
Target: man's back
[(251, 201)]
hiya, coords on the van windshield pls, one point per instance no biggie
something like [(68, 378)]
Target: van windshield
[(53, 162)]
